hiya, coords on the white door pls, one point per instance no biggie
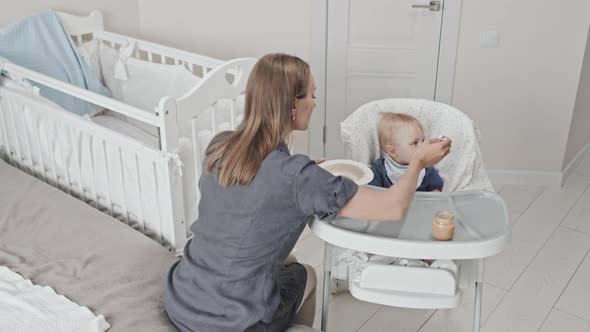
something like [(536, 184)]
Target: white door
[(378, 49)]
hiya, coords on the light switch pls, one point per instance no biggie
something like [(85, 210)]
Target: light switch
[(488, 38)]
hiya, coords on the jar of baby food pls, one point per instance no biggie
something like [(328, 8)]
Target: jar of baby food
[(443, 225)]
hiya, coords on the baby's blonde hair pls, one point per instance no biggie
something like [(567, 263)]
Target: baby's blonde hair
[(390, 124)]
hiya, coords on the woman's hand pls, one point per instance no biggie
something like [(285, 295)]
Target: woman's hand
[(394, 203), (431, 152), (319, 161)]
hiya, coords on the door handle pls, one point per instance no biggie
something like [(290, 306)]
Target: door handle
[(433, 6)]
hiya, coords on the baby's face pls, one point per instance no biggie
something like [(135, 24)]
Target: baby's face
[(406, 143)]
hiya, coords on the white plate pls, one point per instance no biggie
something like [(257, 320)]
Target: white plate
[(357, 172)]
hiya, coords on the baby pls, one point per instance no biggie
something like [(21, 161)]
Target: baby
[(399, 136)]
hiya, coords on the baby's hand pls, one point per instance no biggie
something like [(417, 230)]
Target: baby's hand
[(319, 161)]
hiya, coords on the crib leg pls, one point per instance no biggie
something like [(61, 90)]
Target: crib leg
[(477, 315), (326, 294)]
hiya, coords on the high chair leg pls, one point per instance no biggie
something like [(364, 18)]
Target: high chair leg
[(477, 315), (327, 276), (325, 301)]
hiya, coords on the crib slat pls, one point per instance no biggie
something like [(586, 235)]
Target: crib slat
[(41, 172), (157, 226), (163, 59), (93, 173), (62, 143), (213, 122), (131, 185), (5, 127), (51, 160), (109, 201), (85, 162), (147, 182), (123, 182), (19, 130), (4, 133), (27, 150), (150, 56), (140, 215), (112, 180), (17, 159), (76, 140), (232, 114), (33, 147), (199, 151), (28, 159)]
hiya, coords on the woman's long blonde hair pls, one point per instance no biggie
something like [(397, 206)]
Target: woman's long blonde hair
[(274, 83)]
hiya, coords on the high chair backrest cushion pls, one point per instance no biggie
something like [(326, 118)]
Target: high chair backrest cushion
[(462, 169)]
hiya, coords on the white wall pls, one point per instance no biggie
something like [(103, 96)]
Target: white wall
[(229, 29), (119, 15), (579, 135), (223, 29), (521, 93)]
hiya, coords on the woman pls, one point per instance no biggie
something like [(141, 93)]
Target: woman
[(256, 200)]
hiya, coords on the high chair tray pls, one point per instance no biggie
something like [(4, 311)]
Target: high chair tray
[(482, 228)]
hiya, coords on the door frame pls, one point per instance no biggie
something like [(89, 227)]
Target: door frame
[(449, 40)]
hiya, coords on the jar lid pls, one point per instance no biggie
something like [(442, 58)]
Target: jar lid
[(444, 218)]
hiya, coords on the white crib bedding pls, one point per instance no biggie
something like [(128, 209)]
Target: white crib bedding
[(142, 83), (94, 260)]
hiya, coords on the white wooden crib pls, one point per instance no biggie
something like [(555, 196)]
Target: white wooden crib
[(152, 188)]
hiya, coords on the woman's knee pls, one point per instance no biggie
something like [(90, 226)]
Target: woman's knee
[(290, 260)]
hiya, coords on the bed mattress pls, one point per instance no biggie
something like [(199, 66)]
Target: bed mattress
[(89, 257)]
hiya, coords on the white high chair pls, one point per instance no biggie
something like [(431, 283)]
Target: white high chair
[(482, 225)]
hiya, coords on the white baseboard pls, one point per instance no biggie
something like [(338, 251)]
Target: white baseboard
[(532, 178), (571, 166)]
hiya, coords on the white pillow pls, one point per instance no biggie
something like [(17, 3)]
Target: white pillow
[(89, 53), (146, 84)]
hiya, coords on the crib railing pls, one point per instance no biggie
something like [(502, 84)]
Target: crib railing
[(19, 73), (86, 28), (118, 176), (214, 105), (198, 64)]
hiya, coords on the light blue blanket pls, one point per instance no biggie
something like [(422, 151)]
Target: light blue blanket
[(39, 42)]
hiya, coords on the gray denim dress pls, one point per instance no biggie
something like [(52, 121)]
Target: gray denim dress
[(232, 276)]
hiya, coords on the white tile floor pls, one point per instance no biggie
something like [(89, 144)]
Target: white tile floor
[(541, 282)]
